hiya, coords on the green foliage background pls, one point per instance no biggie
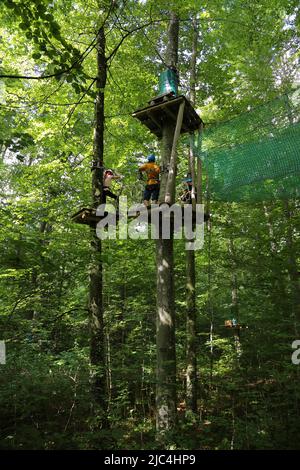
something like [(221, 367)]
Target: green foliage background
[(248, 54)]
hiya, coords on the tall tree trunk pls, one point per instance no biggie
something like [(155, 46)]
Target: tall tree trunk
[(191, 327), (165, 322), (191, 330), (97, 345)]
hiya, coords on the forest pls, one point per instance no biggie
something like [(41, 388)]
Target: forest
[(141, 342)]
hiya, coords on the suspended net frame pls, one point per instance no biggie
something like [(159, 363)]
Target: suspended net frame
[(255, 156)]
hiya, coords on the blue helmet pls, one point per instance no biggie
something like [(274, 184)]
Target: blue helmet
[(151, 158)]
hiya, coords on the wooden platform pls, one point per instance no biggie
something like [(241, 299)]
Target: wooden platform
[(156, 114), (87, 216)]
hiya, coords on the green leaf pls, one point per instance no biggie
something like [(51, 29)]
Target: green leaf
[(24, 25), (36, 55), (77, 88)]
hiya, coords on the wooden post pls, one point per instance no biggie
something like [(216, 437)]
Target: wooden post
[(191, 324), (96, 309), (192, 171), (165, 318), (199, 174), (191, 313), (169, 196)]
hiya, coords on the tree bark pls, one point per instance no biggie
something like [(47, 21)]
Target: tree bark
[(165, 339), (191, 333), (165, 320), (191, 326), (96, 310)]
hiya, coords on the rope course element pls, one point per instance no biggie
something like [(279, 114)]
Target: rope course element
[(255, 156)]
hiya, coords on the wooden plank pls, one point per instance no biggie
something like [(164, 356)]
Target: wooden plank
[(191, 120), (87, 216), (162, 97), (158, 106)]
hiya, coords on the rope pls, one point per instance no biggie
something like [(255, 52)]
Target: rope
[(209, 300)]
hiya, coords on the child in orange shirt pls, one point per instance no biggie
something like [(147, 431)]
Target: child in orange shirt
[(152, 186)]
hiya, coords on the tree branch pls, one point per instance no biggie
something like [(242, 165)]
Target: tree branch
[(79, 101), (57, 74), (126, 36)]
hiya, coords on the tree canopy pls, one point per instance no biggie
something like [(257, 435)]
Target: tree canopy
[(248, 393)]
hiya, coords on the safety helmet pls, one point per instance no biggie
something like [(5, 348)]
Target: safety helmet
[(151, 158), (109, 172)]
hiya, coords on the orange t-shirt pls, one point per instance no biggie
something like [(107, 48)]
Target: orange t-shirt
[(152, 170)]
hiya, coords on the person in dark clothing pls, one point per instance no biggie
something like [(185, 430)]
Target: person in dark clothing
[(186, 196)]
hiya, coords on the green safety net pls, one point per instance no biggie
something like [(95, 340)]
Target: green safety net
[(255, 156)]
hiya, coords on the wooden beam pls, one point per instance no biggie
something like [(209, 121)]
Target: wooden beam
[(172, 168), (199, 174), (153, 118), (158, 106), (174, 118), (192, 171), (170, 113)]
